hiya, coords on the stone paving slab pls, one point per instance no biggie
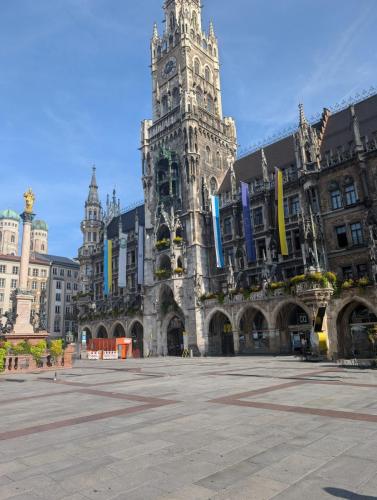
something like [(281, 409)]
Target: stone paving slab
[(190, 429)]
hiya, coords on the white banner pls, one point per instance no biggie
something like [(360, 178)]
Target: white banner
[(122, 265)]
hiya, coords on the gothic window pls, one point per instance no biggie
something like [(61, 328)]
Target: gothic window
[(175, 97), (258, 216), (204, 44), (165, 107), (192, 34), (209, 104), (165, 45), (197, 67), (194, 21), (341, 234), (207, 74), (357, 234), (214, 52), (208, 155), (350, 190), (295, 205), (308, 153), (228, 226), (213, 185), (210, 49), (159, 51), (199, 97), (43, 248), (218, 159), (336, 196), (172, 21), (198, 39), (12, 239)]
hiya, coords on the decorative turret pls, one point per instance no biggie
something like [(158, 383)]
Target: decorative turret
[(91, 228), (307, 145)]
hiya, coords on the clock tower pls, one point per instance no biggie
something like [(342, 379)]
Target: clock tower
[(186, 149)]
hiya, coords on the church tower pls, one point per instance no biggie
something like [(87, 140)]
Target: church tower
[(186, 149), (91, 228)]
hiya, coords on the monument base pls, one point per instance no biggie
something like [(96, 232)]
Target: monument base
[(23, 325), (33, 338)]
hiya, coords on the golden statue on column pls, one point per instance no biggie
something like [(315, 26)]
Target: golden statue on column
[(29, 201)]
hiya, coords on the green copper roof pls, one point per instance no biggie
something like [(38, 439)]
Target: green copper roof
[(10, 214), (39, 224)]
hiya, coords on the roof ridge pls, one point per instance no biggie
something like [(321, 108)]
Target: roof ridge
[(314, 119)]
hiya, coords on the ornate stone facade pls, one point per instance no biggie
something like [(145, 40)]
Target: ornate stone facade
[(189, 152)]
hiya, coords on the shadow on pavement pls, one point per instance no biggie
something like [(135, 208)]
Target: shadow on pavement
[(339, 493)]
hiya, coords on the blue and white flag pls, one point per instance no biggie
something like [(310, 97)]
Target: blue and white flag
[(217, 231)]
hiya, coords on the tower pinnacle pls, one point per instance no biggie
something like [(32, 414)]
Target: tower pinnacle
[(303, 120), (93, 188)]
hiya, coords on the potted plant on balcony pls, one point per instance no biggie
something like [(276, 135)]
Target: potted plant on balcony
[(179, 271), (178, 240), (162, 244)]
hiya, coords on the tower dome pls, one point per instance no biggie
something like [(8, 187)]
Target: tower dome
[(9, 214), (40, 225), (9, 226), (39, 237)]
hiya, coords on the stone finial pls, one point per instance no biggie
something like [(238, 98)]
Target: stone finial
[(303, 120), (155, 31), (211, 29), (264, 166)]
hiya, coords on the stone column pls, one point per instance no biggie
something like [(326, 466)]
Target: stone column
[(24, 297)]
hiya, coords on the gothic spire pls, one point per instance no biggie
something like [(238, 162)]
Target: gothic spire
[(264, 167), (93, 188), (155, 31), (303, 120), (211, 29)]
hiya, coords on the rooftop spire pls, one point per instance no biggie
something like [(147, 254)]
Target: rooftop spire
[(264, 166), (303, 120), (93, 188), (155, 31), (211, 29)]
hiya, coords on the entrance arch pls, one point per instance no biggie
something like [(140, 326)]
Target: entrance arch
[(88, 333), (353, 324), (220, 335), (119, 331), (137, 335), (293, 323), (102, 332), (175, 342), (254, 336)]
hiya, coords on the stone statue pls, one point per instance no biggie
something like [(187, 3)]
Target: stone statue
[(29, 201)]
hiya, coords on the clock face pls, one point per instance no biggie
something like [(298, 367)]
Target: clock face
[(169, 67)]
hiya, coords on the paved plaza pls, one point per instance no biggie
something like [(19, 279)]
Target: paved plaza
[(218, 428)]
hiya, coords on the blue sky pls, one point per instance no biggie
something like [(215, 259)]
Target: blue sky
[(75, 85)]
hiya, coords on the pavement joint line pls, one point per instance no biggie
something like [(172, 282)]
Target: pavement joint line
[(36, 429), (347, 415)]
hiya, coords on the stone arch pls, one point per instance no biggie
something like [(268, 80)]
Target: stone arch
[(292, 320), (88, 332), (220, 333), (101, 332), (255, 336), (118, 330), (353, 321), (136, 332), (173, 326)]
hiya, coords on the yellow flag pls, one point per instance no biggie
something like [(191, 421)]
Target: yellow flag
[(281, 218)]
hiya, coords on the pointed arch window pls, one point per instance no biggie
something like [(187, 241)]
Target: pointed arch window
[(350, 190), (208, 155), (210, 106), (207, 74), (199, 96), (194, 21), (213, 185), (172, 21), (165, 107), (197, 67), (176, 97), (204, 44)]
